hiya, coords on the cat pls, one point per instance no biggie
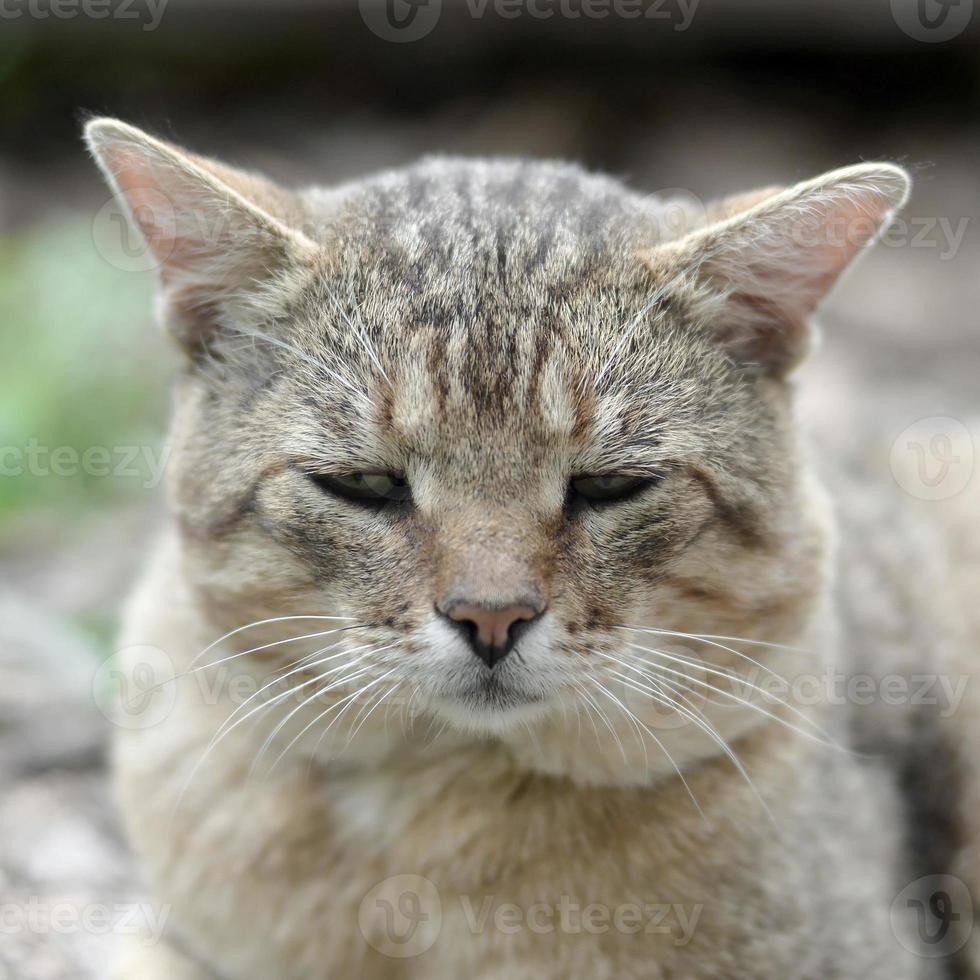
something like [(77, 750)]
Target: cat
[(491, 540)]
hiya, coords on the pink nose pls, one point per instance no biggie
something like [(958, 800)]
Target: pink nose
[(490, 630), (492, 625)]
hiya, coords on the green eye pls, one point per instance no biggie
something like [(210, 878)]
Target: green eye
[(373, 489), (607, 489)]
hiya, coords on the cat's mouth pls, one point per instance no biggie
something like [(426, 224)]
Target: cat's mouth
[(491, 701), (495, 692)]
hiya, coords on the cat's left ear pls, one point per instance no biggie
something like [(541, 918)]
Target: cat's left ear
[(215, 232), (769, 258)]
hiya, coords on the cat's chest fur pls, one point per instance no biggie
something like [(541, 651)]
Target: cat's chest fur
[(457, 862)]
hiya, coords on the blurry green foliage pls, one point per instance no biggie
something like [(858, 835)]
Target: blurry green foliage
[(81, 366)]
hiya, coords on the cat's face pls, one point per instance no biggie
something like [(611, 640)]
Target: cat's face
[(490, 414)]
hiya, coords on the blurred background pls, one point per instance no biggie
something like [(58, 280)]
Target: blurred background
[(701, 96)]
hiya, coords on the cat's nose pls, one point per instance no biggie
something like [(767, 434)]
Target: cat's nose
[(491, 631)]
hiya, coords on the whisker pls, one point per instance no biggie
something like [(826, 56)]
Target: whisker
[(346, 700), (588, 712), (632, 719), (657, 682), (290, 639), (827, 741), (607, 723), (438, 734), (377, 703), (264, 622), (407, 709), (220, 735), (281, 677), (340, 682), (721, 646), (703, 724), (701, 665), (578, 721), (660, 744), (713, 636), (318, 693), (269, 646)]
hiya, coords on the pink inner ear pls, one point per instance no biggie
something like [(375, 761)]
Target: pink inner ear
[(779, 264), (155, 213)]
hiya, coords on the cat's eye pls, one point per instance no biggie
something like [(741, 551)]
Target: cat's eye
[(608, 489), (370, 489)]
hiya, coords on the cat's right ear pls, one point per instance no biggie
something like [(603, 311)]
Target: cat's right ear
[(214, 232), (764, 261)]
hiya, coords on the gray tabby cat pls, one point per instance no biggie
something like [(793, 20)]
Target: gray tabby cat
[(491, 547)]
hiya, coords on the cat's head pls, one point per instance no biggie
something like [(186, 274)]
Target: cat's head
[(505, 415)]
